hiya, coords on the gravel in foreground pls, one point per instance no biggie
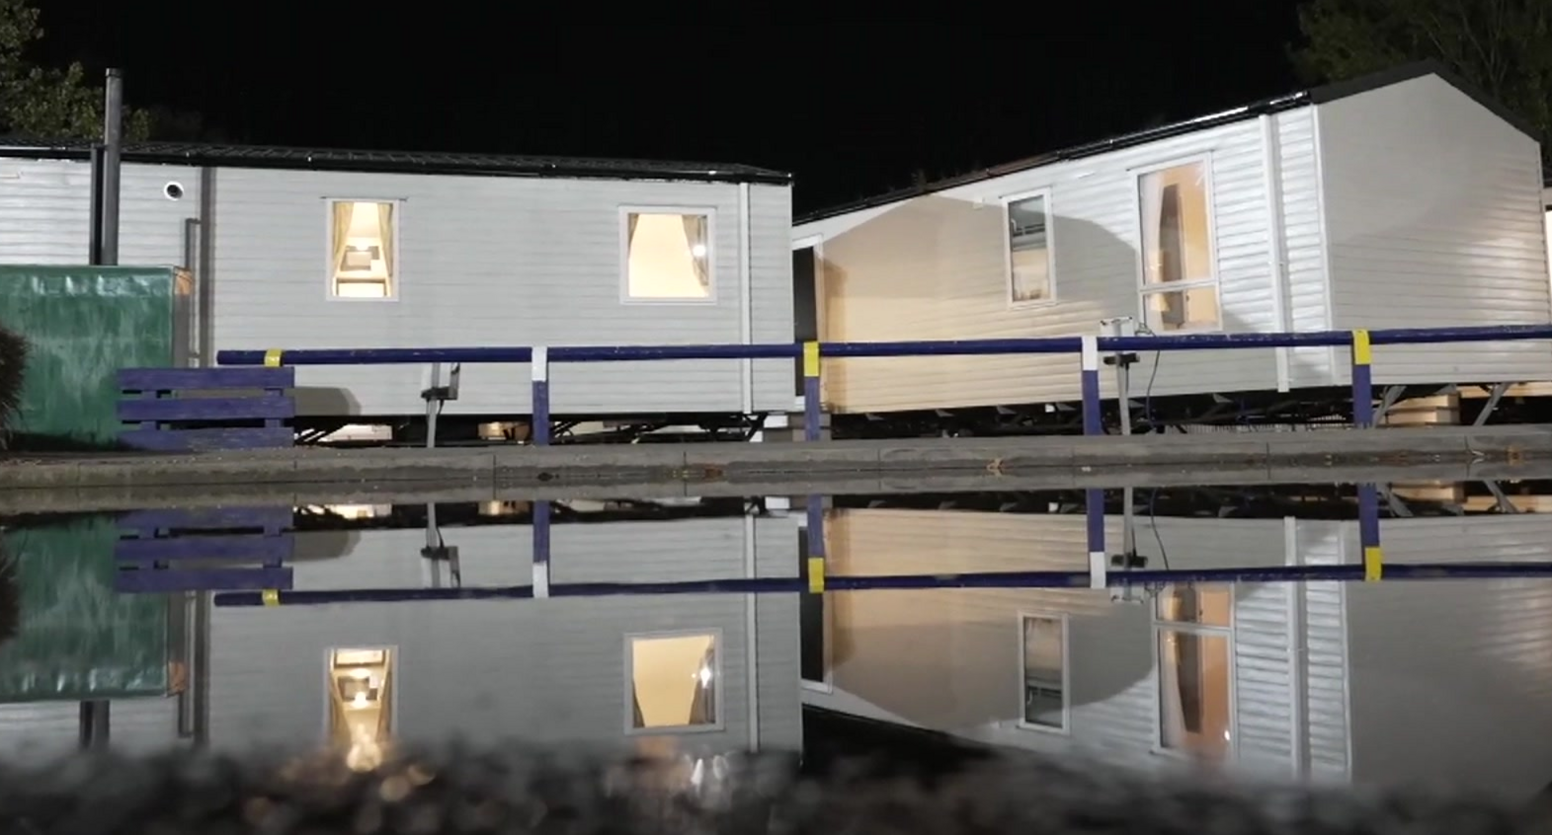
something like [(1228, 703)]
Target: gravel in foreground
[(505, 790)]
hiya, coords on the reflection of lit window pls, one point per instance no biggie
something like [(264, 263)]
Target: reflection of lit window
[(667, 256), (362, 259), (1029, 252), (1210, 606), (1180, 287), (673, 681), (1195, 670), (358, 511), (1044, 662), (361, 705)]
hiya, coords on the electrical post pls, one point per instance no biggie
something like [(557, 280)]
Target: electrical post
[(1124, 326), (95, 725)]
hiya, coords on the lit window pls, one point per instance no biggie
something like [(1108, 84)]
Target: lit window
[(1029, 253), (1195, 692), (667, 256), (1180, 289), (1045, 666), (362, 260), (673, 682), (361, 705)]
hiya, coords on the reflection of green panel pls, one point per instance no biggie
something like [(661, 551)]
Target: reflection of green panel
[(83, 324), (78, 638)]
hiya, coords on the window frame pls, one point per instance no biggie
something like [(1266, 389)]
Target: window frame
[(331, 281), (1065, 620), (1160, 626), (395, 669), (623, 220), (718, 675), (1215, 283), (1007, 201)]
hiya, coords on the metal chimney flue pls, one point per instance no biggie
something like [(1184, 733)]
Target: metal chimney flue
[(113, 142)]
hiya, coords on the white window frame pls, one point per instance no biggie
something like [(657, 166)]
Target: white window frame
[(1065, 621), (395, 667), (628, 714), (329, 288), (1144, 289), (1050, 248), (623, 219), (1161, 626)]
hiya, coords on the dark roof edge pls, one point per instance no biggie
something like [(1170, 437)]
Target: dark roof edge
[(371, 162), (1318, 95)]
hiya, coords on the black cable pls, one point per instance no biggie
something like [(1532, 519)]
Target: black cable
[(1153, 376), (1153, 520)]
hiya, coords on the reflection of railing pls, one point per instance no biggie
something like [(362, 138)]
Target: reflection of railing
[(219, 548), (1089, 349), (811, 576), (981, 580)]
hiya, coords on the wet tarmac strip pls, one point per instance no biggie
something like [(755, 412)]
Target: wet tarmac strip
[(304, 475)]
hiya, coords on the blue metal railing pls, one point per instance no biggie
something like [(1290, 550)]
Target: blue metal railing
[(981, 580), (1089, 348)]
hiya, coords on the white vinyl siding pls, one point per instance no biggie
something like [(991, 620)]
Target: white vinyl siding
[(934, 267), (482, 261), (1433, 213), (1411, 192)]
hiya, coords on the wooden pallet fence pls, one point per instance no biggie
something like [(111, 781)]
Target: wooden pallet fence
[(250, 412)]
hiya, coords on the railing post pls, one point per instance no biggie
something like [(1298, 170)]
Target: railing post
[(1091, 422), (541, 549), (539, 431), (1094, 515), (1369, 532), (816, 545), (810, 391), (1363, 380)]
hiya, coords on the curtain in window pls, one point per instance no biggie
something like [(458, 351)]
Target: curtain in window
[(1152, 212), (630, 232), (385, 235), (1172, 724), (703, 705), (343, 214), (637, 721), (695, 233), (1172, 252)]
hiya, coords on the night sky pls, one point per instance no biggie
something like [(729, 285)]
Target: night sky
[(849, 103)]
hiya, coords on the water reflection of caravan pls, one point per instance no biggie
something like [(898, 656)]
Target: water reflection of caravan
[(651, 673), (1439, 680), (611, 671)]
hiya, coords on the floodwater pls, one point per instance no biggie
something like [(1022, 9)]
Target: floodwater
[(1238, 631)]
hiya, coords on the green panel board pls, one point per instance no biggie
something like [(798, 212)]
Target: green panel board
[(82, 325), (77, 639)]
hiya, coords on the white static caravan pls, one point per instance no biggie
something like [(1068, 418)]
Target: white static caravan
[(1437, 681), (296, 248), (1402, 200), (543, 671)]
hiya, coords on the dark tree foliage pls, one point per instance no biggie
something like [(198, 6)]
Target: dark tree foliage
[(52, 103), (1502, 46)]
